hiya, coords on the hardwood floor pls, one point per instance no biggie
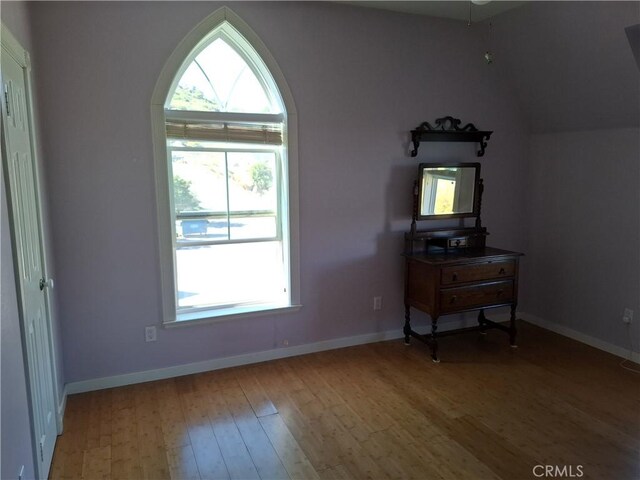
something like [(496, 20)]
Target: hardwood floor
[(375, 411)]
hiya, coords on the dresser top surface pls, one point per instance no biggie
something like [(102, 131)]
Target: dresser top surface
[(463, 255)]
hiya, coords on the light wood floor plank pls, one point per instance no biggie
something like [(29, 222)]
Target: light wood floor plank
[(77, 428), (96, 463), (174, 428), (255, 393), (125, 453), (292, 456), (182, 463), (153, 458), (276, 383), (339, 472), (264, 456), (232, 446), (205, 447), (311, 375)]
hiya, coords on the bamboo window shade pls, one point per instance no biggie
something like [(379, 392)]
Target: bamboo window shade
[(225, 132)]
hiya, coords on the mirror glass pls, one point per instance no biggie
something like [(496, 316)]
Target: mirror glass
[(448, 189)]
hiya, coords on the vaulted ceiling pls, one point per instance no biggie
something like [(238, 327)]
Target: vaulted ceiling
[(570, 63)]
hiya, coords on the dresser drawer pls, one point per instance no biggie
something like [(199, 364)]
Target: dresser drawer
[(453, 299), (477, 272)]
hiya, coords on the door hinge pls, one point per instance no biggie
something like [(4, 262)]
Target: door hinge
[(42, 449), (6, 98)]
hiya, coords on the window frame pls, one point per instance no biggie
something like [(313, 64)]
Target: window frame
[(224, 23)]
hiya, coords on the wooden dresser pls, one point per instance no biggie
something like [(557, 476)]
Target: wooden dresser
[(451, 270), (441, 283)]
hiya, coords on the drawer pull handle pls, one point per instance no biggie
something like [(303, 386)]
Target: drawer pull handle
[(500, 292), (453, 299), (501, 272), (454, 277)]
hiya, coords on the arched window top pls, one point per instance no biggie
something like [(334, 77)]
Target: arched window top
[(224, 74)]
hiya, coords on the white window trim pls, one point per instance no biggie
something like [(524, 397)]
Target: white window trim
[(290, 233)]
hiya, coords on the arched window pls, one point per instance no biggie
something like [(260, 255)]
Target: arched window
[(225, 176)]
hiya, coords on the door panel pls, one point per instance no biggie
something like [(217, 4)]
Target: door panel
[(23, 198)]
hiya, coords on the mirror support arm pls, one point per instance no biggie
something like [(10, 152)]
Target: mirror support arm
[(480, 190)]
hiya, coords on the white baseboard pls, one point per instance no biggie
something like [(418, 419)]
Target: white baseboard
[(582, 337), (248, 358)]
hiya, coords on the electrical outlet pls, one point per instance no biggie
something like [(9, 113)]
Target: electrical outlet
[(377, 303), (150, 334), (627, 317), (285, 343)]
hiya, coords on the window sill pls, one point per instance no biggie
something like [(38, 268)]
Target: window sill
[(224, 314)]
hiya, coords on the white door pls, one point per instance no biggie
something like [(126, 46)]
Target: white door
[(25, 220)]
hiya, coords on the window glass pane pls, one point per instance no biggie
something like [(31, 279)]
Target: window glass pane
[(253, 194), (194, 92), (192, 228), (219, 80), (245, 228), (200, 195), (247, 95), (230, 274)]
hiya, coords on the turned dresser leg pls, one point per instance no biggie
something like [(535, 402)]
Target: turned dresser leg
[(434, 340), (512, 327), (481, 321), (407, 325)]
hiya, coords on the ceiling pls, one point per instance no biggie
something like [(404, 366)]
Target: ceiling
[(455, 9)]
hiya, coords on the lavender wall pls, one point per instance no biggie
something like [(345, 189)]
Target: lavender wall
[(361, 80), (15, 438), (575, 77), (585, 266)]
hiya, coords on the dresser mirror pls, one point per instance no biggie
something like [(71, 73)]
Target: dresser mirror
[(448, 190)]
